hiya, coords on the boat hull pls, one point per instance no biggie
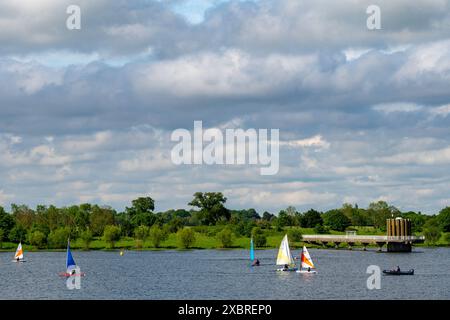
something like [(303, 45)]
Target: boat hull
[(398, 273), (67, 275), (287, 270), (306, 271)]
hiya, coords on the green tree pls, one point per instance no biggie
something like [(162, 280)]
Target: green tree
[(37, 238), (2, 235), (431, 230), (23, 215), (6, 221), (140, 235), (141, 205), (186, 238), (295, 235), (267, 216), (284, 219), (111, 235), (447, 238), (157, 235), (443, 219), (357, 216), (244, 228), (320, 229), (86, 237), (432, 234), (58, 238), (225, 238), (417, 220), (211, 206), (336, 220), (18, 233), (100, 218), (311, 218), (379, 212), (259, 237)]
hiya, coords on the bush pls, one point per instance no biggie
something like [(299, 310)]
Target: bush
[(432, 234), (111, 235), (186, 238), (447, 238), (295, 235), (157, 235), (320, 229), (86, 237), (57, 239), (37, 238), (141, 232), (225, 238), (259, 238)]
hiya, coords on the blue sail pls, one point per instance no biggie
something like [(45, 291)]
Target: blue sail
[(69, 259), (252, 250)]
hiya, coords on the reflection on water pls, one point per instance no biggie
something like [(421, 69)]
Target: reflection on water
[(224, 274)]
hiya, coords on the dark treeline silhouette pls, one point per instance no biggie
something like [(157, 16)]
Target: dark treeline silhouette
[(49, 226)]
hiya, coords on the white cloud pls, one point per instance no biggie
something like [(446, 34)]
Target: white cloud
[(397, 107), (316, 141), (5, 197)]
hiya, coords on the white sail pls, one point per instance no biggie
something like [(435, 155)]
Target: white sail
[(19, 252), (306, 259), (284, 253)]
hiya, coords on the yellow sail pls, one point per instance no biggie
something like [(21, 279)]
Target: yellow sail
[(284, 253)]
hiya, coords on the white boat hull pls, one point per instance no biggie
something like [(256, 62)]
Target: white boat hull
[(306, 271), (287, 270)]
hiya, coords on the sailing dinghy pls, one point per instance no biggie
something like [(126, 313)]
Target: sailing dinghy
[(71, 266), (306, 264), (255, 262), (18, 256), (284, 257)]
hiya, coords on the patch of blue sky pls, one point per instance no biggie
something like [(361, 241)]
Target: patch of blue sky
[(194, 10), (65, 58)]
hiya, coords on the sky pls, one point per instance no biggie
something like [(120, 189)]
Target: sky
[(86, 115)]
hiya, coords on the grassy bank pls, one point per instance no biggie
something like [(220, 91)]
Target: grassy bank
[(206, 240)]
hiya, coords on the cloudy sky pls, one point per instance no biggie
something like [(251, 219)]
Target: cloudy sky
[(86, 115)]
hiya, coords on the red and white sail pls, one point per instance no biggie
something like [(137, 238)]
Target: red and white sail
[(306, 261), (19, 252)]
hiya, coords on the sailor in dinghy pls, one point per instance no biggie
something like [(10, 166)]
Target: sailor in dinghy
[(284, 257), (18, 256), (306, 264), (71, 267)]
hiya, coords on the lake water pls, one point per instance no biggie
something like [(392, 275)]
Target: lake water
[(224, 274)]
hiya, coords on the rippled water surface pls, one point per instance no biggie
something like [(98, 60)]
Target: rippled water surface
[(224, 274)]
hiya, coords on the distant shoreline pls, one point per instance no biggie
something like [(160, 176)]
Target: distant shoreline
[(371, 248)]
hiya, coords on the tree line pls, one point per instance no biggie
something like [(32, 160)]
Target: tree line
[(50, 226)]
